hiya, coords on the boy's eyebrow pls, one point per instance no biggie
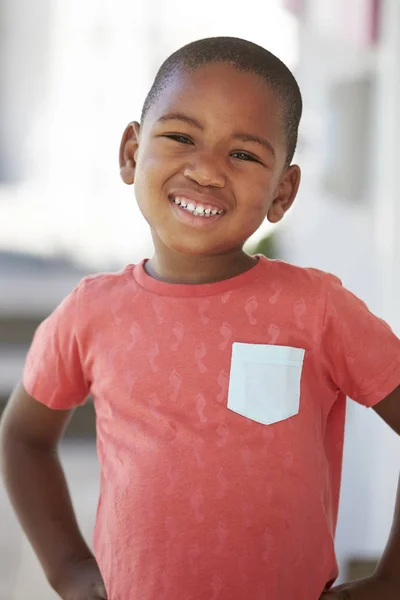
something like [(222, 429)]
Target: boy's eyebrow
[(180, 117), (249, 137), (243, 137)]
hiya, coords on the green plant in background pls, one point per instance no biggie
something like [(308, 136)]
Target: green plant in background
[(267, 245)]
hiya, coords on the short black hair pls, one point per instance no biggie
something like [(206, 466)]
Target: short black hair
[(244, 56)]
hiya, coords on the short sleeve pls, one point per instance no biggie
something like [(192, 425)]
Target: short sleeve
[(53, 372), (359, 351)]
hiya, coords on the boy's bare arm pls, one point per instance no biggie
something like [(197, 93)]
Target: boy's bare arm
[(38, 490)]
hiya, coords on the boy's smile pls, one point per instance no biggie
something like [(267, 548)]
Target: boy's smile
[(209, 161), (197, 209)]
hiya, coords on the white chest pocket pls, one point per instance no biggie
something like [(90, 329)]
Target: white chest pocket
[(264, 383)]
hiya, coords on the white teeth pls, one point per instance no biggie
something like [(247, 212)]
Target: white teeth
[(199, 210)]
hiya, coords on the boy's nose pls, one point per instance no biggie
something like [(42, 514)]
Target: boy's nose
[(205, 172)]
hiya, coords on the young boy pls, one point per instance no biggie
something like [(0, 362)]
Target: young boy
[(219, 379)]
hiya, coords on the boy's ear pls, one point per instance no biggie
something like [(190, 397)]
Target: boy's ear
[(285, 195), (128, 152)]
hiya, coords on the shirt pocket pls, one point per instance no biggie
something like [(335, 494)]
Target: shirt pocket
[(264, 382)]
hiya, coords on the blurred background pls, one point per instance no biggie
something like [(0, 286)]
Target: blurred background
[(72, 75)]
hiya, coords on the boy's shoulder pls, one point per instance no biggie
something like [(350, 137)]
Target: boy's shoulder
[(299, 278), (99, 285)]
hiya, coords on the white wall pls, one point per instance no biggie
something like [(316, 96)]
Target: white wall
[(24, 61), (355, 240)]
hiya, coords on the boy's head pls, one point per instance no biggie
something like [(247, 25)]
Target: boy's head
[(217, 135), (244, 56)]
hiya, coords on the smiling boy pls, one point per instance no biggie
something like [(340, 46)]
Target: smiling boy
[(219, 378)]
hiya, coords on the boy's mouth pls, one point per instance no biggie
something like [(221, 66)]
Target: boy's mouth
[(197, 209)]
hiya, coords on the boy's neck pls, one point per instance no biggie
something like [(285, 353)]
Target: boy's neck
[(173, 267)]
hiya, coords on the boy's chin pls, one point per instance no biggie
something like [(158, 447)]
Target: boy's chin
[(195, 247)]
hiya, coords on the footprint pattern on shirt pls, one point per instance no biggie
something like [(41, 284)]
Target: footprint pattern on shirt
[(226, 333), (200, 406), (250, 308), (171, 527), (176, 382), (223, 434), (154, 400), (173, 477), (268, 546), (226, 297), (196, 502), (223, 383), (135, 335), (277, 290), (273, 331), (194, 554), (248, 514), (268, 436), (204, 306), (288, 461), (177, 332), (222, 537), (216, 587), (199, 355), (198, 451), (130, 383), (222, 485), (245, 453), (159, 309), (300, 309), (152, 355)]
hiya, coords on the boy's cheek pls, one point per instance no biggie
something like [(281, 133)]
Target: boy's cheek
[(149, 163), (255, 211), (157, 169)]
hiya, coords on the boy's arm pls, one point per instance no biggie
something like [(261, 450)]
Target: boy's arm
[(37, 487), (385, 583)]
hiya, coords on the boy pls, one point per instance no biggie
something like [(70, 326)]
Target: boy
[(219, 379)]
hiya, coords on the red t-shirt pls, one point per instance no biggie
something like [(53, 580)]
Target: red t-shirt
[(220, 416)]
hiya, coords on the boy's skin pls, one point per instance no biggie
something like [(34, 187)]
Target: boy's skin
[(203, 155)]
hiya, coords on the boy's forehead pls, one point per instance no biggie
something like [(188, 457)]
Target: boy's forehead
[(222, 90)]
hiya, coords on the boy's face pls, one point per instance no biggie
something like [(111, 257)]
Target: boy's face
[(208, 163)]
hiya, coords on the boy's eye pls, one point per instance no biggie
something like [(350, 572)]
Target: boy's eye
[(178, 137), (245, 156)]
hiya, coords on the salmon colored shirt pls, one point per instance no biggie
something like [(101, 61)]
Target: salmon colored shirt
[(220, 416)]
